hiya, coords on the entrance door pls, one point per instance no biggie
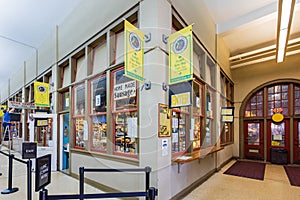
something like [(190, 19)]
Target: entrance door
[(64, 145), (278, 137), (296, 141), (254, 140)]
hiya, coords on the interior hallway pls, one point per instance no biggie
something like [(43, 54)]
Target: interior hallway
[(275, 186), (218, 187)]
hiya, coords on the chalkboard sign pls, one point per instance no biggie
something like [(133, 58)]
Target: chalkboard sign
[(29, 150), (42, 172)]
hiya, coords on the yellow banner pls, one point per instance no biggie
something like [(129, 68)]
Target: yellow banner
[(181, 55), (134, 52), (41, 94), (2, 107)]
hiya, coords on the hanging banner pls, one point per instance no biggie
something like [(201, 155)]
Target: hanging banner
[(181, 55), (41, 94), (2, 107), (134, 52)]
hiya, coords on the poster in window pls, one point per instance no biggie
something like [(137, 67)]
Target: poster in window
[(164, 121)]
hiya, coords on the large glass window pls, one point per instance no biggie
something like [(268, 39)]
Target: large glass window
[(99, 57), (197, 120), (78, 116), (179, 129), (124, 112), (98, 114), (207, 138), (254, 107), (80, 68), (278, 98)]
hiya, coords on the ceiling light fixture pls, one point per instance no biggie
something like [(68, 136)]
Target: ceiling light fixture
[(285, 15)]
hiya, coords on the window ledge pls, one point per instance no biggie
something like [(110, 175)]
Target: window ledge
[(189, 157)]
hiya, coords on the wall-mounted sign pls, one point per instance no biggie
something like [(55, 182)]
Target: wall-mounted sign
[(20, 105), (181, 55), (29, 150), (227, 114), (277, 117), (125, 90), (164, 117), (134, 52), (2, 107), (180, 94), (42, 172), (40, 122)]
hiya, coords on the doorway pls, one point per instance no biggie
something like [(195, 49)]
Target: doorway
[(254, 140), (65, 138), (296, 141), (278, 138)]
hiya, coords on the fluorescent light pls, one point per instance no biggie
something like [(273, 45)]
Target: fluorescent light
[(284, 22)]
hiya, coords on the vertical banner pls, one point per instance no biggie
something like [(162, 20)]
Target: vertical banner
[(134, 52), (2, 107), (41, 94), (181, 55)]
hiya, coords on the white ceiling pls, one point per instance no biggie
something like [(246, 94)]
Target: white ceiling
[(244, 25), (248, 25), (24, 25)]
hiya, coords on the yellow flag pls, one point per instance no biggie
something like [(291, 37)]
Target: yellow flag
[(134, 52), (2, 107), (41, 94), (181, 55)]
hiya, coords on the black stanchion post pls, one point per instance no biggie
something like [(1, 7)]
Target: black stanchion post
[(81, 182), (10, 189), (151, 193), (29, 178), (43, 194), (147, 170)]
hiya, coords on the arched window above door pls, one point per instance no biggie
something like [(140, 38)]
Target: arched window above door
[(254, 107)]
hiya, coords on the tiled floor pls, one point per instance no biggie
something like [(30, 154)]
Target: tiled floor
[(226, 187), (219, 187)]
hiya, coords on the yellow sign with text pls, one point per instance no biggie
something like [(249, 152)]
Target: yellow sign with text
[(41, 94), (134, 52), (181, 55), (182, 99)]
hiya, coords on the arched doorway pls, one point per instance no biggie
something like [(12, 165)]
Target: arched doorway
[(270, 122)]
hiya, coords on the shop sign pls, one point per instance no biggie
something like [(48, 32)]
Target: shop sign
[(227, 114), (181, 55), (21, 105), (180, 94), (134, 52), (125, 90), (277, 117)]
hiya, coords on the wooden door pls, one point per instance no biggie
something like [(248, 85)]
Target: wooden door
[(254, 140), (296, 141), (278, 137)]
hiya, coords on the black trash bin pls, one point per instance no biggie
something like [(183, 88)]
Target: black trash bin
[(279, 156)]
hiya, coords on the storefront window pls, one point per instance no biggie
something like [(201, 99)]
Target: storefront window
[(278, 134), (179, 129), (253, 134), (207, 139), (43, 132), (196, 121), (124, 103), (78, 115), (65, 99), (98, 114)]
